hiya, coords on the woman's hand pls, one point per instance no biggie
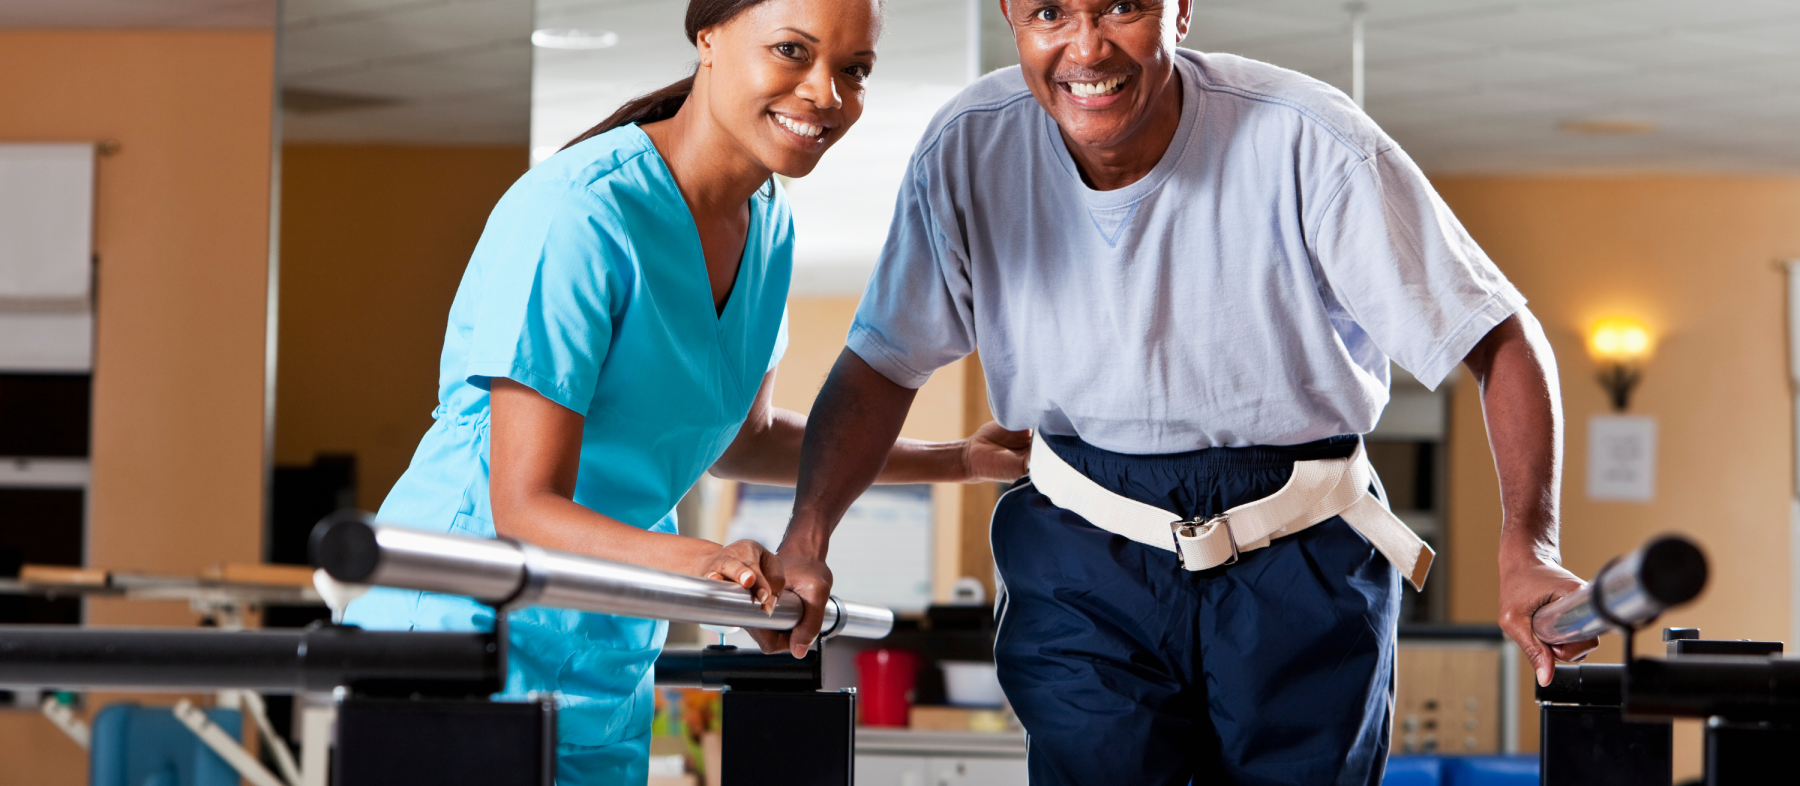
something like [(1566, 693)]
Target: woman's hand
[(747, 564), (995, 454)]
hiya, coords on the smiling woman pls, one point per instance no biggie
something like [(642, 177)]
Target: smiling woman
[(704, 16), (615, 336)]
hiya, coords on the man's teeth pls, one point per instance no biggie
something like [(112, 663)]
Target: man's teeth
[(807, 130), (1092, 89)]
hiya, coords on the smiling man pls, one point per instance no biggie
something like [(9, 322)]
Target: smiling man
[(1187, 273)]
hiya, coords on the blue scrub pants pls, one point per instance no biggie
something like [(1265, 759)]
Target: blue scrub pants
[(624, 763), (1125, 668)]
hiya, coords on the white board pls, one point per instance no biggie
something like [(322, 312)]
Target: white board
[(880, 551), (46, 257), (46, 221)]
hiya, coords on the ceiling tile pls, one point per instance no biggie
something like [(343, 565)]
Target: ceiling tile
[(1465, 84)]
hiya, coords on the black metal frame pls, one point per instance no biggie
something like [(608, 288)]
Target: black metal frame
[(1608, 723), (417, 706), (419, 703)]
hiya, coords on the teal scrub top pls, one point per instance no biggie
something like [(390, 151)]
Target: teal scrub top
[(589, 286)]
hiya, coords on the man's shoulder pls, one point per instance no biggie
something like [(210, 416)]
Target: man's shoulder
[(1265, 91)]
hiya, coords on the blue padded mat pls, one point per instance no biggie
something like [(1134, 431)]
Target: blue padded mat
[(1461, 771), (1414, 771), (135, 745), (1491, 770)]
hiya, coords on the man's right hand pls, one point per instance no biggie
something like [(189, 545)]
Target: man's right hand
[(808, 577)]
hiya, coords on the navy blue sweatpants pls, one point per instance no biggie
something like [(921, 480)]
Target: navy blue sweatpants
[(1125, 668)]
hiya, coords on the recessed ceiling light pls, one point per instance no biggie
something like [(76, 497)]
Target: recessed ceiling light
[(573, 38), (1607, 126)]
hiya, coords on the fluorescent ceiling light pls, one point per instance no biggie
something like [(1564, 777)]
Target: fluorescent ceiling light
[(573, 38)]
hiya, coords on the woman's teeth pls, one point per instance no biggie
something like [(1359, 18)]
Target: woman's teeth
[(807, 130), (1093, 89)]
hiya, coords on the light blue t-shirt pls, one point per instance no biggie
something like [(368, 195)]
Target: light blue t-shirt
[(589, 286), (1250, 289)]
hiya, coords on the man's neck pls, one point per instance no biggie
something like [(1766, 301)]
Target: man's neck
[(1119, 165)]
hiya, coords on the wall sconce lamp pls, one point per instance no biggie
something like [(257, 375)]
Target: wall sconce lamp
[(1621, 347)]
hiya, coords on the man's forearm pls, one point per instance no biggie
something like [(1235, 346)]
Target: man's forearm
[(1520, 400), (852, 428)]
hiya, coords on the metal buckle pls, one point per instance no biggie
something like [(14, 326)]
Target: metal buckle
[(1199, 527)]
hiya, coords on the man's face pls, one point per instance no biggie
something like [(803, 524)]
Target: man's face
[(1099, 67)]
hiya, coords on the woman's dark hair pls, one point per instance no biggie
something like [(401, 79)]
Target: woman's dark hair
[(663, 103)]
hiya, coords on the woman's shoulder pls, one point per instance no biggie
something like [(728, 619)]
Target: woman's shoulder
[(622, 156)]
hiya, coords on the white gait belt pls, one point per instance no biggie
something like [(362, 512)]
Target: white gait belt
[(1318, 490)]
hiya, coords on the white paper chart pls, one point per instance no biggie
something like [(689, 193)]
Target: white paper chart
[(1622, 458)]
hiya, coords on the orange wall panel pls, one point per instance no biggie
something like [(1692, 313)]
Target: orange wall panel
[(1694, 258), (182, 237), (374, 242)]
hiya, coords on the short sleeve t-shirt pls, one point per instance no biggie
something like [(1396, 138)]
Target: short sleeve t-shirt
[(1251, 289)]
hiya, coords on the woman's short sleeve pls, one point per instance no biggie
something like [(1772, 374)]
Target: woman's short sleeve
[(553, 273), (781, 343)]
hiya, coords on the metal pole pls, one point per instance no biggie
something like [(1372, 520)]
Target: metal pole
[(1792, 267), (1667, 571), (1358, 10), (272, 661), (513, 574)]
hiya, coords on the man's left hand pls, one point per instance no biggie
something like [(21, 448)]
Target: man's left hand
[(1526, 584), (996, 454)]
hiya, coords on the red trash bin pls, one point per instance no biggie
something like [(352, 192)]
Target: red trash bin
[(884, 685)]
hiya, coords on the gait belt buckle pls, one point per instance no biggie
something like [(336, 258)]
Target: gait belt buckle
[(1200, 527)]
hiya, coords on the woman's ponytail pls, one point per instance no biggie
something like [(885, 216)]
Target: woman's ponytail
[(663, 104), (660, 104)]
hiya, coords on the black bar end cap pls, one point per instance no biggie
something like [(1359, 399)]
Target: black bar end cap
[(1674, 570), (343, 544)]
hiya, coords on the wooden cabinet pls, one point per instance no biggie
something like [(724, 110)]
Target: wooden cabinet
[(901, 757), (938, 771), (1447, 697)]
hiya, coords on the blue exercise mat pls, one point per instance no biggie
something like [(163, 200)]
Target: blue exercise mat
[(1461, 771), (135, 745)]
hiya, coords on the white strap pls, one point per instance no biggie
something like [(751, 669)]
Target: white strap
[(1315, 492)]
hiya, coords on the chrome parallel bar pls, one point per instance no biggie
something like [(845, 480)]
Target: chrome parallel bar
[(1634, 589), (508, 573)]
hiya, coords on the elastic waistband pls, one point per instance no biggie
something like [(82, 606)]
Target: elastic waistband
[(478, 420), (1072, 449), (1196, 482)]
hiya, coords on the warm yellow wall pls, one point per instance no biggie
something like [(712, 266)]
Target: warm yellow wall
[(1694, 257), (817, 327), (374, 240), (950, 406), (181, 231)]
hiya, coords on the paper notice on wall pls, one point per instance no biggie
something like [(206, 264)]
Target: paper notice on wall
[(1622, 458), (880, 552)]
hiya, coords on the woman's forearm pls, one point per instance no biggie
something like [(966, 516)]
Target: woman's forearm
[(917, 461), (556, 522)]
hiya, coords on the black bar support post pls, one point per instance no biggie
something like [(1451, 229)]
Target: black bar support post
[(798, 738)]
